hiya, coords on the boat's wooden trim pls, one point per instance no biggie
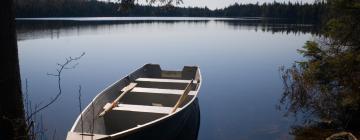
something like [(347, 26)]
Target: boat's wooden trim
[(164, 80), (143, 108), (160, 91)]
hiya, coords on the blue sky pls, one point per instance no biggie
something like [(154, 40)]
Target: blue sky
[(212, 4)]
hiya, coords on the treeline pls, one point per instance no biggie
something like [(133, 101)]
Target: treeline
[(92, 8), (298, 11)]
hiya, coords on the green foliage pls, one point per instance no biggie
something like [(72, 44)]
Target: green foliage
[(327, 84), (311, 49)]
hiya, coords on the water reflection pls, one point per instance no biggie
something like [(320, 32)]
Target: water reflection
[(274, 26), (33, 29)]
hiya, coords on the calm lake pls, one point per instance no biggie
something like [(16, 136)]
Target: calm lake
[(239, 61)]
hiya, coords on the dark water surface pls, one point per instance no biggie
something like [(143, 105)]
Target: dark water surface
[(239, 61)]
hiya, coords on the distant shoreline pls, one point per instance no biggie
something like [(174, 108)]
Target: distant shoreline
[(86, 10), (142, 18)]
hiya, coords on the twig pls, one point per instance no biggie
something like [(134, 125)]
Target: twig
[(54, 135), (58, 76), (26, 98), (81, 116)]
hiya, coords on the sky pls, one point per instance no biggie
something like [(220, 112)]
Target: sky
[(213, 4)]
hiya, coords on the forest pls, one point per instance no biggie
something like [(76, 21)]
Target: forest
[(91, 8)]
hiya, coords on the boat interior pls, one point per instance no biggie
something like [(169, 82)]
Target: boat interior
[(154, 93)]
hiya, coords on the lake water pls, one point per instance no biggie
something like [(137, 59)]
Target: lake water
[(239, 61)]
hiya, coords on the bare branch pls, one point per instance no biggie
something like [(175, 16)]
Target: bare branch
[(54, 135), (69, 61), (81, 115)]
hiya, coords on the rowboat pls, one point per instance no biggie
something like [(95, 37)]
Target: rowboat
[(149, 103)]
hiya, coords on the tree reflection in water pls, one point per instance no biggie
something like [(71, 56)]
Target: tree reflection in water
[(325, 88)]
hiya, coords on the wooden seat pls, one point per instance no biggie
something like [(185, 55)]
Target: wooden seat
[(143, 108), (160, 91), (164, 80)]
